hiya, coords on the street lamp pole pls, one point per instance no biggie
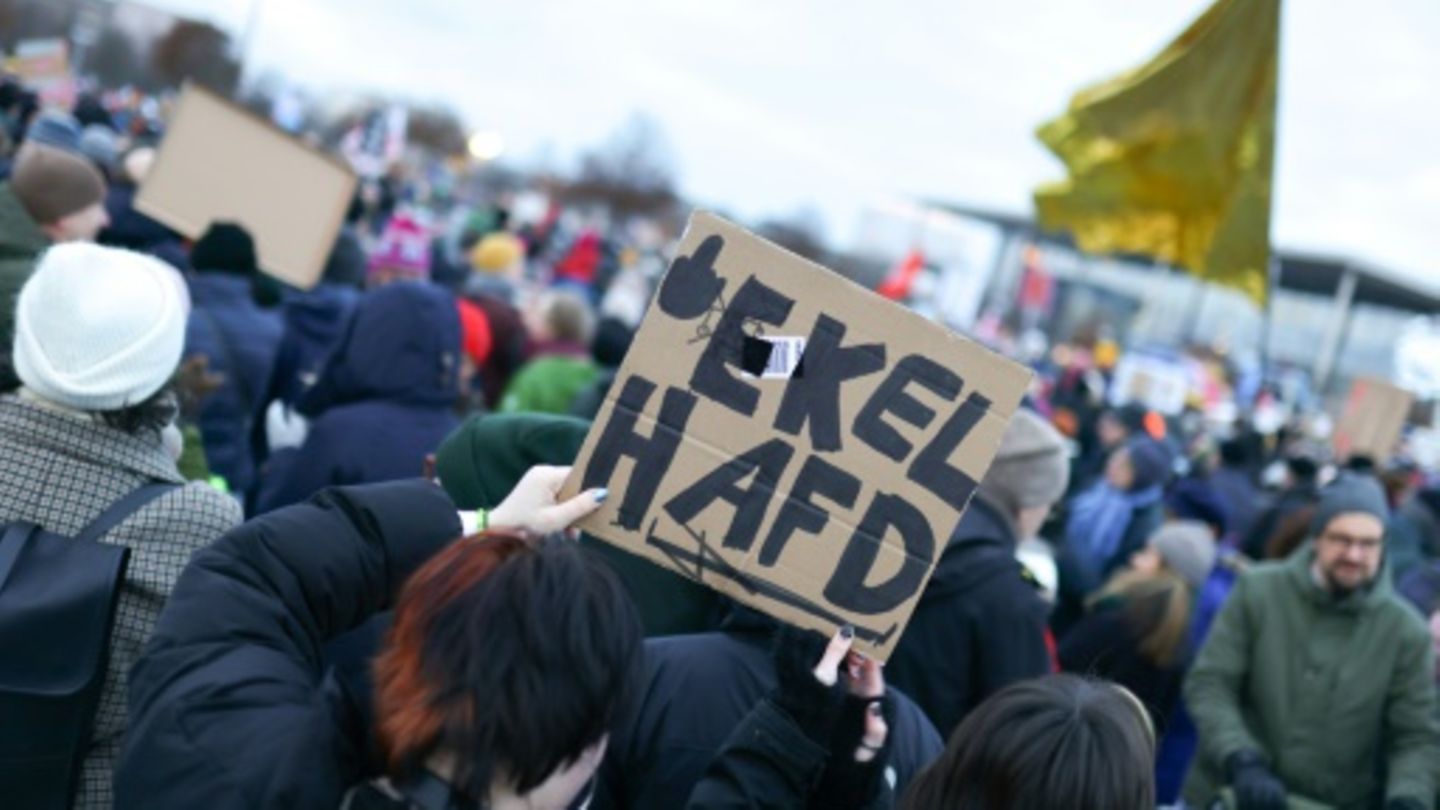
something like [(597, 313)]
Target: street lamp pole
[(247, 37)]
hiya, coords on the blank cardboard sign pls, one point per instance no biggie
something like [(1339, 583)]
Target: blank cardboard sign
[(1373, 420), (792, 440), (221, 163)]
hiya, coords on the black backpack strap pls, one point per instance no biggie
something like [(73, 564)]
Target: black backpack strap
[(12, 540), (116, 513)]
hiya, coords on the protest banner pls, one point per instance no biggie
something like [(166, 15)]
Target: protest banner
[(44, 66), (791, 439), (1160, 384), (221, 163), (1373, 419)]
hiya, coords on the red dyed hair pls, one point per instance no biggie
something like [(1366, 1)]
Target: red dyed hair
[(410, 709)]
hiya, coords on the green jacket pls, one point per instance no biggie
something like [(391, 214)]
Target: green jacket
[(1334, 693), (548, 385), (21, 242)]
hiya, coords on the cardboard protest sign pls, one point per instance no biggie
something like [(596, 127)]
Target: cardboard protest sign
[(1374, 416), (44, 66), (791, 439), (221, 163)]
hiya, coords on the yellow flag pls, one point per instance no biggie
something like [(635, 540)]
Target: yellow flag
[(1173, 159)]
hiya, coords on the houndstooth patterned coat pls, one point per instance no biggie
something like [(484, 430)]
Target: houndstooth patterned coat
[(60, 470)]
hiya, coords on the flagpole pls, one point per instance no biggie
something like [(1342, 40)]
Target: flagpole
[(1267, 321)]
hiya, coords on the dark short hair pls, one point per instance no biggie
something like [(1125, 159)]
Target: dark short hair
[(1061, 742), (1234, 452), (514, 659), (151, 415)]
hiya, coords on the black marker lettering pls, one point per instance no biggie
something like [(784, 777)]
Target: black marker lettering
[(652, 455), (932, 468), (816, 395), (799, 512), (847, 589), (890, 396), (767, 461)]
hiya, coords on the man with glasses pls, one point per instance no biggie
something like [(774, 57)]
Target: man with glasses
[(1315, 681)]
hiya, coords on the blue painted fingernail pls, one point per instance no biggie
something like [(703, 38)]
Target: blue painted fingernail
[(847, 632), (601, 495)]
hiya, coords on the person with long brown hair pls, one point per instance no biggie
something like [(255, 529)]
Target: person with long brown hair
[(1137, 631)]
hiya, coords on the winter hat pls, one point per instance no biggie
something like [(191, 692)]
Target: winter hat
[(1031, 467), (227, 248), (97, 328), (100, 145), (497, 253), (1188, 549), (1151, 462), (1347, 494), (57, 129), (484, 458), (1194, 499), (53, 184), (404, 248)]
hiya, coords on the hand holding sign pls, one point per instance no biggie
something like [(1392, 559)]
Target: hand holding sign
[(533, 507)]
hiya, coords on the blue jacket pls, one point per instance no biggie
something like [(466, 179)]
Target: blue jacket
[(384, 400), (240, 340), (314, 322)]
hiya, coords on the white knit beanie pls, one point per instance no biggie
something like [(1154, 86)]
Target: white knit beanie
[(99, 329)]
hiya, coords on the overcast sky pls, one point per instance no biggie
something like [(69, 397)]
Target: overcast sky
[(769, 106)]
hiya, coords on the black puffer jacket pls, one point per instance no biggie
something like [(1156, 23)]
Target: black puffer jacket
[(980, 625), (700, 689), (232, 705)]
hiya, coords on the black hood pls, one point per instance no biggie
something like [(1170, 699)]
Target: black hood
[(982, 547)]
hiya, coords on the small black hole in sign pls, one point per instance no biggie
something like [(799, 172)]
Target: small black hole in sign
[(755, 355)]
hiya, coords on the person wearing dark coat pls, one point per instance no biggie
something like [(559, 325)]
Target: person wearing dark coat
[(981, 621), (238, 340), (384, 400), (1236, 487), (237, 713), (314, 320), (699, 690), (820, 739), (1301, 492), (233, 704), (129, 228)]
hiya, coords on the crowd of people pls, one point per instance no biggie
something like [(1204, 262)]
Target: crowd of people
[(350, 584)]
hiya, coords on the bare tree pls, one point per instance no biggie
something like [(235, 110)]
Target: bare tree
[(115, 61), (198, 52), (631, 173), (437, 129)]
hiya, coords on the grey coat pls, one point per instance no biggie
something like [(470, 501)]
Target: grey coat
[(60, 470)]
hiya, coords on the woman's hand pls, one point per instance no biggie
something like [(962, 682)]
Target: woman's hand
[(532, 508)]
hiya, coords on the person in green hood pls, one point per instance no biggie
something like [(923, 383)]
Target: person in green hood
[(1315, 682), (481, 461)]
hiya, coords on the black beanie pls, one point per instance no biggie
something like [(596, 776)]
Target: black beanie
[(225, 248)]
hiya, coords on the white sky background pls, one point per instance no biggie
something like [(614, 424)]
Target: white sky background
[(770, 107)]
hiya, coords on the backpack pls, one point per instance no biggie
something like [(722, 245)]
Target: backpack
[(57, 607)]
